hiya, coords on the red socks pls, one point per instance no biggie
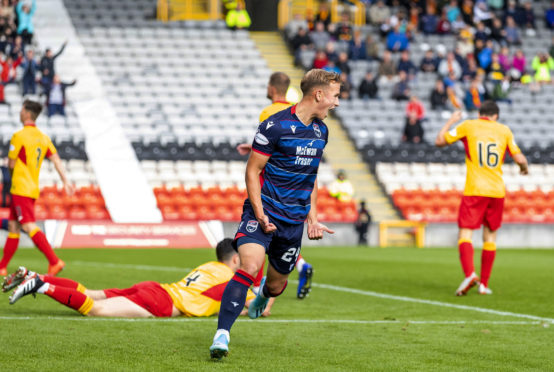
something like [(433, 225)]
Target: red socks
[(10, 247), (465, 247), (259, 277), (63, 282), (42, 244), (487, 259), (71, 298)]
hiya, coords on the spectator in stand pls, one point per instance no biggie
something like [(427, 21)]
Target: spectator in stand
[(549, 16), (324, 14), (482, 32), (413, 20), (496, 71), (362, 224), (501, 90), (504, 58), (8, 75), (300, 42), (470, 70), (498, 33), (372, 48), (30, 68), (401, 90), (47, 68), (485, 56), (406, 65), (528, 17), (17, 47), (415, 107), (7, 11), (345, 86), (519, 62), (450, 65), (357, 49), (368, 87), (387, 68), (341, 188), (320, 59), (330, 51), (496, 5), (397, 41), (344, 29), (429, 62), (474, 97), (438, 96), (298, 22), (465, 41), (452, 11), (443, 26), (458, 25), (25, 15), (332, 67), (319, 36), (512, 32), (453, 90), (481, 13), (467, 12), (55, 96), (379, 13), (429, 21), (542, 64), (413, 130), (342, 63)]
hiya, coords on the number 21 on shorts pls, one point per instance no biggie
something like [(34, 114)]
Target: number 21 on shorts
[(289, 255)]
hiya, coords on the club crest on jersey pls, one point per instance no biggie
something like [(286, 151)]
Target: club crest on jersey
[(293, 128), (317, 131), (251, 226)]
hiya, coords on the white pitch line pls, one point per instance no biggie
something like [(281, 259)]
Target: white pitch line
[(431, 302), (335, 288), (302, 321)]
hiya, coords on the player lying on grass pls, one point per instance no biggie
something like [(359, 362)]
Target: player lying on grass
[(197, 294)]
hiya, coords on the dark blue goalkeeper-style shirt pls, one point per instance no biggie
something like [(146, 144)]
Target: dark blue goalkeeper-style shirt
[(295, 151)]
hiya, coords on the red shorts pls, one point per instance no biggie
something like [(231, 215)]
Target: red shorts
[(22, 209), (480, 210), (148, 295)]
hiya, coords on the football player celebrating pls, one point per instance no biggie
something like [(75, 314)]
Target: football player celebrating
[(281, 181), (486, 142)]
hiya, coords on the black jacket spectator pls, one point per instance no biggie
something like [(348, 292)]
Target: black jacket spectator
[(413, 130), (438, 96), (429, 62), (47, 67), (301, 39), (368, 87)]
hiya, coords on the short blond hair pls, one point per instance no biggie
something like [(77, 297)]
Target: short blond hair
[(316, 78)]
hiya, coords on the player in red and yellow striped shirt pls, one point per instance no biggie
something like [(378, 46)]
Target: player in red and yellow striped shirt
[(486, 142), (197, 294), (28, 148)]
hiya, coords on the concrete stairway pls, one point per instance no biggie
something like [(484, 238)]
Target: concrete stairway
[(340, 151)]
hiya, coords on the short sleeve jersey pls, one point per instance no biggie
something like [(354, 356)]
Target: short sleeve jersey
[(199, 293), (28, 147), (295, 151), (486, 143), (274, 108)]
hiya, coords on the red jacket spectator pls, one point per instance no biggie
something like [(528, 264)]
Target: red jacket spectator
[(415, 107)]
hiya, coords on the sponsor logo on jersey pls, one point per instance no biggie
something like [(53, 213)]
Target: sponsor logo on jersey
[(452, 132), (261, 139), (251, 226), (269, 125), (317, 131), (12, 147), (293, 128)]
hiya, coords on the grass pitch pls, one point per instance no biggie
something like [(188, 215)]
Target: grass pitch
[(370, 309)]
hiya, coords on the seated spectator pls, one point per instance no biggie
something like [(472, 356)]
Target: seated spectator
[(443, 26), (469, 72), (413, 130), (341, 188), (415, 107), (438, 96), (512, 32), (331, 53), (458, 25), (345, 86), (397, 41), (55, 96), (319, 36), (450, 64), (496, 4), (504, 59), (528, 17), (502, 89), (519, 62), (474, 97), (401, 90), (298, 21), (498, 34), (379, 13), (372, 48), (429, 62), (323, 14), (542, 64), (549, 16), (406, 65), (368, 87), (496, 71), (7, 11), (482, 32), (467, 12), (485, 56), (344, 29), (465, 41), (357, 49), (331, 67), (387, 68), (320, 59), (481, 13), (454, 91), (301, 40), (413, 22), (452, 11), (238, 19), (342, 63), (25, 15), (429, 21), (510, 11)]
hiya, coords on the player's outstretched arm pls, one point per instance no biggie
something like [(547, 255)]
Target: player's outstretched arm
[(61, 172), (254, 167), (315, 228), (441, 139), (521, 161)]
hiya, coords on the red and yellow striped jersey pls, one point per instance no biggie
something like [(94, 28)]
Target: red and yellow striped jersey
[(199, 293), (274, 108), (28, 147), (486, 143)]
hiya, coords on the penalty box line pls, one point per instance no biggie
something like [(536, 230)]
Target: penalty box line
[(265, 320), (185, 270)]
